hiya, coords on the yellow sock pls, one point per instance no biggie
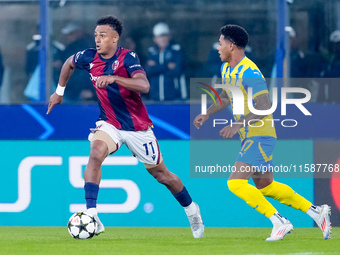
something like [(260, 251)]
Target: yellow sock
[(252, 196), (286, 195)]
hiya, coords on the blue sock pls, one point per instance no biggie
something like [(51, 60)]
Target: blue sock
[(183, 197), (91, 194)]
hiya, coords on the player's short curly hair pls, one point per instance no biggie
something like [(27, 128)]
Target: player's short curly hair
[(236, 34), (113, 22)]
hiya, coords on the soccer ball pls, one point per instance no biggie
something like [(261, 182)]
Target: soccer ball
[(82, 226)]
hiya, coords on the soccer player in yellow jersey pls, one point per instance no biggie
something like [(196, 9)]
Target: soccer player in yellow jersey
[(258, 136)]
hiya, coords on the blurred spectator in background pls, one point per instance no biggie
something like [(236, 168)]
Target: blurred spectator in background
[(297, 56), (309, 65), (130, 42), (213, 64), (32, 67), (1, 69), (333, 69), (297, 66), (32, 56), (80, 88), (165, 66)]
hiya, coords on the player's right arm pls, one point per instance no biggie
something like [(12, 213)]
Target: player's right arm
[(65, 74), (214, 108)]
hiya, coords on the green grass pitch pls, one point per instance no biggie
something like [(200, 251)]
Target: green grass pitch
[(150, 241)]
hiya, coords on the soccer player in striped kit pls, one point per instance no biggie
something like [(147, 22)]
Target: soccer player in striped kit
[(119, 79)]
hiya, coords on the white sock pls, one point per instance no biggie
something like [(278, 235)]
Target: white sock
[(313, 212), (92, 211), (277, 218), (191, 209)]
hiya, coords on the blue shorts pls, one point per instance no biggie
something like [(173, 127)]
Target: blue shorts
[(257, 151)]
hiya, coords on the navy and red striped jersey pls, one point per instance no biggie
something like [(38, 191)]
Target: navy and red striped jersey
[(119, 106)]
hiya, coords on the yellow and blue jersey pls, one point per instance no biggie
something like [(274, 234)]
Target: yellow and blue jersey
[(244, 75)]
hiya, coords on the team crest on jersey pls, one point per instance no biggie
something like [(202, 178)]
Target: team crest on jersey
[(115, 65)]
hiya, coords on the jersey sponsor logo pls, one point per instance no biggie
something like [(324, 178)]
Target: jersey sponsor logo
[(133, 54), (93, 78), (115, 65)]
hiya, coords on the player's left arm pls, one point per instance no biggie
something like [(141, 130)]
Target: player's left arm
[(138, 82), (262, 102)]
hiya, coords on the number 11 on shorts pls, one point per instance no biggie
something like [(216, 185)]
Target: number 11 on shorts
[(147, 150)]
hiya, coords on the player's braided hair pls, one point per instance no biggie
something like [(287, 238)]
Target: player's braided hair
[(236, 34), (113, 22)]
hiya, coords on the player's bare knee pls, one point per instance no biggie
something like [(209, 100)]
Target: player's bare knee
[(261, 183), (161, 176), (174, 179), (98, 152), (161, 173), (102, 139)]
